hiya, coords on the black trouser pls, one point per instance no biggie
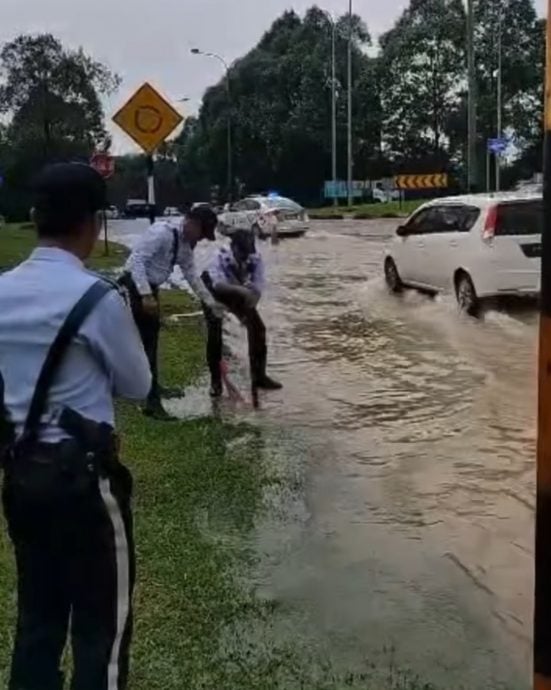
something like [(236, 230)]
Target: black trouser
[(256, 332), (71, 528), (149, 327)]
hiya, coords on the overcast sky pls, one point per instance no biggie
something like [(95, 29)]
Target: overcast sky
[(145, 40)]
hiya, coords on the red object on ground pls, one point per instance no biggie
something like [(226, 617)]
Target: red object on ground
[(104, 164), (232, 389)]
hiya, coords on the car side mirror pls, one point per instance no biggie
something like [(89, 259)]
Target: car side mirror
[(402, 231)]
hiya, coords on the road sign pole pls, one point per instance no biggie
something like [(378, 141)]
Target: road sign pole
[(488, 163), (542, 603), (106, 241), (151, 187)]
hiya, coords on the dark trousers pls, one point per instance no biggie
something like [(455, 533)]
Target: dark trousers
[(72, 534), (256, 333), (149, 328)]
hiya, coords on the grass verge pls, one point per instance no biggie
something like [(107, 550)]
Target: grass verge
[(365, 211), (18, 240)]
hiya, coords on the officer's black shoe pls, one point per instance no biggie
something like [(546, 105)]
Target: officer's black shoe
[(172, 392), (265, 383), (155, 410), (216, 389)]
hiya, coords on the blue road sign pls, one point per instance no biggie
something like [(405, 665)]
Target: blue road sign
[(339, 189), (498, 145)]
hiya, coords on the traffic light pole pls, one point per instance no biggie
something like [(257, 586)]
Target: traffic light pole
[(542, 603)]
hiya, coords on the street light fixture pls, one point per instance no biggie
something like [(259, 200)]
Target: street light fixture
[(197, 51)]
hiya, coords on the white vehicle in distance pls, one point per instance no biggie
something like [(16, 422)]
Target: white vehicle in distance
[(171, 211), (263, 214), (478, 247)]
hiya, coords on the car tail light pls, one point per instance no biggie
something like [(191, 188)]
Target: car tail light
[(490, 225)]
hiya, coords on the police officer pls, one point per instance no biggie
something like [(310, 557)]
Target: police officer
[(151, 263), (66, 496), (236, 280)]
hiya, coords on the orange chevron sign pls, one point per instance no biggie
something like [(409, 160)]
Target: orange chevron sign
[(434, 181)]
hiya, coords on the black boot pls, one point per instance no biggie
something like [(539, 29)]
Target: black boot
[(154, 409), (265, 383), (216, 388)]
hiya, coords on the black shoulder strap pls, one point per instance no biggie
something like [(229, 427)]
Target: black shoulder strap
[(175, 246), (69, 329)]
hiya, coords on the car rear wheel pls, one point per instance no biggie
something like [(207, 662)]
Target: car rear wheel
[(467, 298), (392, 276)]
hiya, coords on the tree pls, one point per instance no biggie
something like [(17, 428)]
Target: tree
[(281, 110), (523, 59), (50, 100), (422, 66)]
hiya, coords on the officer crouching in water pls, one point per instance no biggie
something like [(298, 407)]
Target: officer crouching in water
[(236, 280), (68, 345)]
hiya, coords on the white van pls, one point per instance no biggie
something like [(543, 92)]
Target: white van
[(477, 247)]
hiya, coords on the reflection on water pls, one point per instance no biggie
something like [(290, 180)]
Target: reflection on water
[(417, 430)]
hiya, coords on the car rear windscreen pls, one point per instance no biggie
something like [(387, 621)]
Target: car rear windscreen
[(520, 218)]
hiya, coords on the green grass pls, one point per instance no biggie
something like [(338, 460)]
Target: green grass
[(17, 242), (366, 211)]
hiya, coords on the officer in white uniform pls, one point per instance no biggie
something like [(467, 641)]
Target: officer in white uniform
[(150, 265), (66, 496)]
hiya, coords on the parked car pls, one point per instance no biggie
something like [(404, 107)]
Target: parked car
[(477, 247), (263, 213), (137, 208), (171, 211)]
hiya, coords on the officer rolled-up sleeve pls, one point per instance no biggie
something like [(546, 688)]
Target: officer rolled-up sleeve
[(112, 335)]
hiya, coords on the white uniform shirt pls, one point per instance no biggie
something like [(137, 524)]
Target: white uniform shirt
[(106, 358), (152, 261)]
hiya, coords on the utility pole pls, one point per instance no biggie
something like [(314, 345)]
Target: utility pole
[(499, 91), (350, 155), (542, 602), (472, 97), (334, 108), (333, 104)]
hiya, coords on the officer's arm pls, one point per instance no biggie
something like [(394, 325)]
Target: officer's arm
[(112, 336), (187, 264), (145, 248)]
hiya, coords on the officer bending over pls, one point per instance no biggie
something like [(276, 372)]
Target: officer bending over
[(236, 280), (149, 266), (68, 345)]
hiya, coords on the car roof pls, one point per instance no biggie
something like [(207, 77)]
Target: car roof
[(485, 200)]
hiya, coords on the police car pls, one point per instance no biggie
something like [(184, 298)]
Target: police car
[(263, 215)]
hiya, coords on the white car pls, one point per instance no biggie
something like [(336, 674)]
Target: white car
[(171, 211), (477, 247), (263, 214)]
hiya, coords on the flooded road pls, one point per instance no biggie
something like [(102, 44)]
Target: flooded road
[(405, 440), (416, 428)]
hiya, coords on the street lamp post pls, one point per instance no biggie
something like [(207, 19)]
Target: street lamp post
[(196, 51), (350, 159), (472, 169), (499, 91), (333, 105)]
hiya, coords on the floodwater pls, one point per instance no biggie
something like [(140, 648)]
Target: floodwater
[(408, 435)]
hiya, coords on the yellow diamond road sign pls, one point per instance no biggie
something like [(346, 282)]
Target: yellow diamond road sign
[(148, 118)]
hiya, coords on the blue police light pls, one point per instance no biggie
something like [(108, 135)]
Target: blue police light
[(272, 194)]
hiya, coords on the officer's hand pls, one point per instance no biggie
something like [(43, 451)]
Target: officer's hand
[(150, 305)]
